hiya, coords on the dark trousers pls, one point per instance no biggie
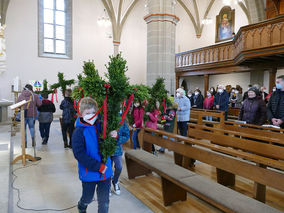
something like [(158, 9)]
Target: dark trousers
[(67, 127), (103, 189), (44, 129), (117, 161), (182, 126), (135, 139)]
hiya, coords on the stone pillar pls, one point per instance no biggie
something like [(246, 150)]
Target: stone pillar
[(116, 47), (161, 35), (256, 77), (256, 10)]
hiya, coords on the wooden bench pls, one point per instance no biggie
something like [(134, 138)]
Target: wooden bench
[(233, 113), (256, 158), (198, 116), (272, 135), (177, 181)]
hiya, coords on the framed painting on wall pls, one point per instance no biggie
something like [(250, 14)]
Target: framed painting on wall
[(225, 24)]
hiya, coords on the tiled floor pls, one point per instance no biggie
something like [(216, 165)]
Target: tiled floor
[(53, 182)]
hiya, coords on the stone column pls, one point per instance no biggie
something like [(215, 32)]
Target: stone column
[(116, 47), (256, 77), (272, 78), (161, 35)]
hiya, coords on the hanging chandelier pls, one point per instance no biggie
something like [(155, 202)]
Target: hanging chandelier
[(104, 20), (207, 21), (229, 2)]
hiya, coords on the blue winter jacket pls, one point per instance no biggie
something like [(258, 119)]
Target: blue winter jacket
[(123, 137), (222, 100), (184, 104), (85, 144)]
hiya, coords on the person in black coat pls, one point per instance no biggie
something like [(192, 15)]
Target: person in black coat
[(275, 107), (221, 100), (45, 117), (68, 117), (253, 110), (198, 99), (190, 97)]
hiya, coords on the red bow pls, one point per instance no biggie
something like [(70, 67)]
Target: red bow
[(52, 97)]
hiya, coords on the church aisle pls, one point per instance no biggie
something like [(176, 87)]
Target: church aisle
[(53, 182)]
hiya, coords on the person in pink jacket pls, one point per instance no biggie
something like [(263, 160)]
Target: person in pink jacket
[(137, 113), (153, 120), (208, 104)]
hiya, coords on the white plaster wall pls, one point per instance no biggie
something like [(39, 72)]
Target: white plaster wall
[(89, 43), (242, 79), (266, 80), (195, 81), (186, 37), (280, 72)]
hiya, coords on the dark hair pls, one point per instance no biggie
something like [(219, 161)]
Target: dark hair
[(44, 95), (29, 87), (249, 85), (68, 92), (281, 76)]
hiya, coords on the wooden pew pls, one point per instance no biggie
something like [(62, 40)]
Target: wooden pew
[(198, 116), (274, 135), (176, 181), (255, 148), (233, 113)]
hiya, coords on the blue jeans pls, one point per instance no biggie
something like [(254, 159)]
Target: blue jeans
[(44, 129), (117, 160), (182, 126), (31, 123), (135, 139), (209, 118), (103, 189)]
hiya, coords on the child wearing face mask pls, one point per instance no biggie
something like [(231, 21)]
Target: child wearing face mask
[(92, 172), (208, 104), (235, 98), (137, 113)]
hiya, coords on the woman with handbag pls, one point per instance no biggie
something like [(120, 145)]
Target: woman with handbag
[(30, 110)]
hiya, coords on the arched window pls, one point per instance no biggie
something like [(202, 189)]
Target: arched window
[(55, 28)]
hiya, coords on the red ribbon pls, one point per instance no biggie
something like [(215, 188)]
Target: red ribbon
[(164, 104), (129, 102), (123, 105), (52, 97), (76, 105), (145, 102), (107, 86)]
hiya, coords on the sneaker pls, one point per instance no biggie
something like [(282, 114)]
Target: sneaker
[(116, 189)]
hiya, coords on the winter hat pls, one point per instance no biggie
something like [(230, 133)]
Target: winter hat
[(254, 89)]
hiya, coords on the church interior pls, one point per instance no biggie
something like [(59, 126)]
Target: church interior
[(142, 106)]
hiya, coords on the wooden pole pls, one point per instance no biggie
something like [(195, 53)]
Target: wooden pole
[(272, 77), (23, 156), (206, 84)]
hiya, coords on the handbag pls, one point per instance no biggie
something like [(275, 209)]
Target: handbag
[(18, 115)]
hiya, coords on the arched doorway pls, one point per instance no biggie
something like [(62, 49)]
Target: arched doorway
[(184, 86)]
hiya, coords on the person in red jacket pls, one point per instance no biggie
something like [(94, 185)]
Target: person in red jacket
[(137, 113), (208, 103), (152, 122)]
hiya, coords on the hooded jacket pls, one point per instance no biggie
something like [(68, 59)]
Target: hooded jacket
[(153, 119), (184, 104), (69, 113), (123, 137), (35, 102), (253, 111), (85, 145), (138, 113), (46, 111), (275, 107)]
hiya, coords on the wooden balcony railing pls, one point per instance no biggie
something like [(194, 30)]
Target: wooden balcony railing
[(256, 40)]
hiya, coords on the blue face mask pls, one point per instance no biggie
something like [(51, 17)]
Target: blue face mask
[(279, 86)]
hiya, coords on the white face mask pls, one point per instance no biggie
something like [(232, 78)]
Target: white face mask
[(237, 92), (220, 90), (178, 95), (196, 93), (233, 91), (136, 104), (273, 89), (208, 94), (88, 117), (189, 95)]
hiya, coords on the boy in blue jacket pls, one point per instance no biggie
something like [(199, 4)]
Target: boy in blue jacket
[(92, 172)]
